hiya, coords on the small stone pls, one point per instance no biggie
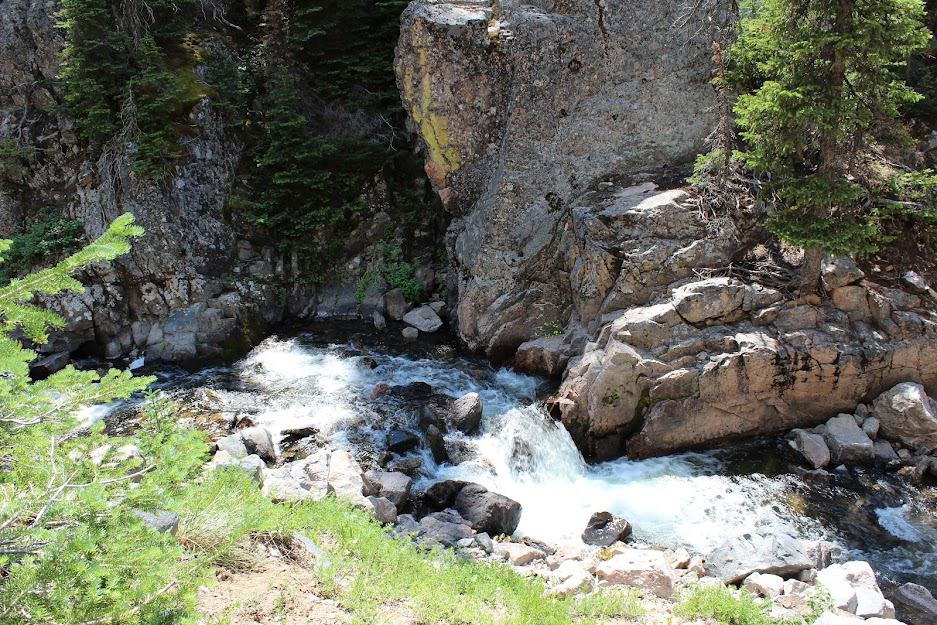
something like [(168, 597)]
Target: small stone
[(162, 521), (605, 529), (839, 271), (914, 282), (764, 585), (379, 322), (410, 334), (870, 426), (518, 554)]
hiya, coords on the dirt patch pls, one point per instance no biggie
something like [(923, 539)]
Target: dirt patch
[(278, 592)]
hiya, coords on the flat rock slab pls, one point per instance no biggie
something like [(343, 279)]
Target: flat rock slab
[(739, 557)]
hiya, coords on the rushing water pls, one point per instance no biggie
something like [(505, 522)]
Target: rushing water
[(691, 500)]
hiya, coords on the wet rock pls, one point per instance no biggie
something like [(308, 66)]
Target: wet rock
[(378, 320), (811, 447), (708, 299), (916, 604), (412, 391), (883, 451), (465, 414), (383, 509), (162, 521), (648, 570), (517, 554), (488, 512), (395, 304), (423, 319), (389, 484), (907, 415), (438, 445), (605, 529), (410, 334), (459, 450), (442, 495), (848, 443), (777, 553), (839, 271), (402, 441), (764, 585), (258, 440)]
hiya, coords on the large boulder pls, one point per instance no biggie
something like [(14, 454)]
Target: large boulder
[(775, 553), (906, 414), (320, 474), (520, 108), (465, 414), (646, 569), (423, 319), (853, 588), (848, 443), (486, 511), (709, 299), (916, 604)]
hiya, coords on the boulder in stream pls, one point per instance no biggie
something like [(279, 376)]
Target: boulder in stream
[(465, 413), (916, 603), (811, 447), (605, 529), (848, 443), (486, 511)]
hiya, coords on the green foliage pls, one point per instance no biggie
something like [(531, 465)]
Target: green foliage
[(15, 160), (47, 238), (114, 81), (823, 80), (401, 274), (349, 47)]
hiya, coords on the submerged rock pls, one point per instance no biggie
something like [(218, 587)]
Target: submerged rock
[(605, 529)]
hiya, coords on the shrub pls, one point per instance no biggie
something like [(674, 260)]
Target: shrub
[(47, 238)]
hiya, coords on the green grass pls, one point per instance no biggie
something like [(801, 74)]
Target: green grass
[(369, 571), (728, 607)]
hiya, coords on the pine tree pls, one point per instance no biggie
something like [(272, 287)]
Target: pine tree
[(827, 81)]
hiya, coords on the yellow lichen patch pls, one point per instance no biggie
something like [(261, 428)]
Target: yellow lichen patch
[(434, 128)]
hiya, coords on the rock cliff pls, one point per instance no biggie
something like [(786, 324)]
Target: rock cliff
[(544, 125), (522, 108)]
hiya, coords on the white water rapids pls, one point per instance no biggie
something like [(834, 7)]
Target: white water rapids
[(691, 500)]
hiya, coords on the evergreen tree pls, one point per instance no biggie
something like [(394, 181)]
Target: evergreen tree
[(827, 81)]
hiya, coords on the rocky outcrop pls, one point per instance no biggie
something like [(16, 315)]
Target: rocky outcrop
[(720, 359), (523, 108)]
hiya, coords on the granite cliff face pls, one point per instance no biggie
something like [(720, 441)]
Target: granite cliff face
[(544, 124), (522, 108)]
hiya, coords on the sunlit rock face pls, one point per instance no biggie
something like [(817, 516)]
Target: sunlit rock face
[(523, 107)]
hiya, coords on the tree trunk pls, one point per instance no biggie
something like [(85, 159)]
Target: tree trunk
[(810, 270)]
